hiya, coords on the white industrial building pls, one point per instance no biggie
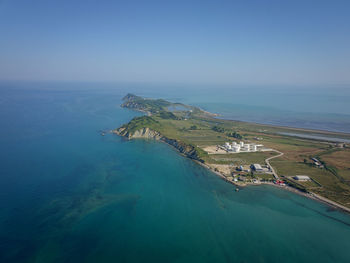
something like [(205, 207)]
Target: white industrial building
[(241, 147), (236, 148), (257, 167), (302, 178)]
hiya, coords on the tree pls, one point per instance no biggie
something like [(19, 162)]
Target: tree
[(218, 129), (235, 135)]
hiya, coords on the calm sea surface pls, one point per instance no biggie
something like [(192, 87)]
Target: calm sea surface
[(68, 194)]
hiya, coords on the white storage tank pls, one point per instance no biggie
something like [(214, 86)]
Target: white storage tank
[(236, 148)]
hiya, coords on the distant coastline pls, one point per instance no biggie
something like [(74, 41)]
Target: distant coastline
[(299, 129)]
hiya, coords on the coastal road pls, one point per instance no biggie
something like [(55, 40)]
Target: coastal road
[(268, 163)]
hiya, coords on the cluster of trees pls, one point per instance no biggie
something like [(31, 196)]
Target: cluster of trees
[(229, 134), (218, 129), (193, 127), (235, 135)]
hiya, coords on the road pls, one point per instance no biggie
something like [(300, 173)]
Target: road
[(268, 163)]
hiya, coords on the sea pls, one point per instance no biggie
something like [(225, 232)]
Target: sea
[(69, 194)]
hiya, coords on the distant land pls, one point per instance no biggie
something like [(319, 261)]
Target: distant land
[(309, 162)]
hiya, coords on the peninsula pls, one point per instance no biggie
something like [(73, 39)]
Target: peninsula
[(314, 163)]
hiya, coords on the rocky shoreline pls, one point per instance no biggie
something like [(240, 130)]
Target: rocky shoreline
[(190, 152), (146, 133)]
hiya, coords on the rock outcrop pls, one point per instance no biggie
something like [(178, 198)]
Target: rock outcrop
[(146, 133)]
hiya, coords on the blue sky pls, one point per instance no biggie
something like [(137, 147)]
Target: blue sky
[(217, 42)]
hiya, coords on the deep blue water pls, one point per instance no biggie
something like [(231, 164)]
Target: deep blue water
[(68, 194)]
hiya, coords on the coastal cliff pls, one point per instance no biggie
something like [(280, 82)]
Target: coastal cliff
[(147, 133), (185, 127)]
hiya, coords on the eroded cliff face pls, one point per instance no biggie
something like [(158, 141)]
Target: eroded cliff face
[(186, 149), (146, 133)]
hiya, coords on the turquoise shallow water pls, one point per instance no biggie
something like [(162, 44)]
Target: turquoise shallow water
[(68, 194)]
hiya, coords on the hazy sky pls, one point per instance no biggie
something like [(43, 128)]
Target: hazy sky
[(252, 42)]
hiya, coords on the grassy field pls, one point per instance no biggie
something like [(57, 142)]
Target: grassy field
[(201, 129), (267, 177), (242, 158), (339, 160)]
